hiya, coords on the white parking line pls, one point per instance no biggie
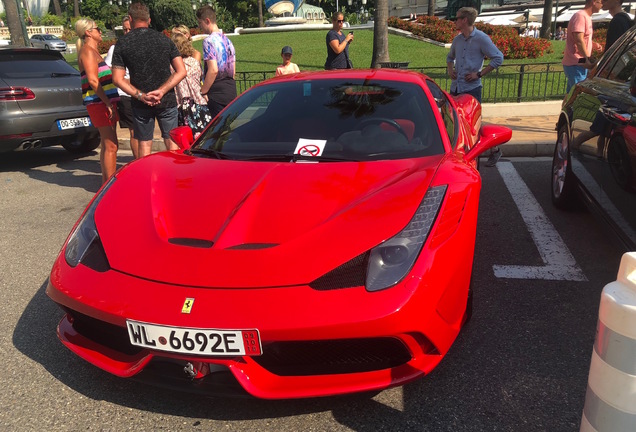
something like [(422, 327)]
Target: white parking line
[(559, 264)]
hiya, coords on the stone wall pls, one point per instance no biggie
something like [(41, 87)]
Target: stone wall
[(31, 30)]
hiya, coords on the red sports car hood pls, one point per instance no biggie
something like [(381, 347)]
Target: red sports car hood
[(195, 221)]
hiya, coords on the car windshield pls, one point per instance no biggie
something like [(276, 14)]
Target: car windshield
[(50, 37), (330, 119)]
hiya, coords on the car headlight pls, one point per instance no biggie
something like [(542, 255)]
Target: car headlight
[(391, 261), (84, 245)]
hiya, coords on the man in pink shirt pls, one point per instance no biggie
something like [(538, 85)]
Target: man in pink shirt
[(578, 45)]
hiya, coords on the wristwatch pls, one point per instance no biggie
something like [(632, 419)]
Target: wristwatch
[(478, 74), (139, 95)]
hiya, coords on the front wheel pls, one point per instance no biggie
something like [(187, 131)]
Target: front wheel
[(563, 181)]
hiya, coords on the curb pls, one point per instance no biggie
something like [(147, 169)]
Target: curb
[(525, 109)]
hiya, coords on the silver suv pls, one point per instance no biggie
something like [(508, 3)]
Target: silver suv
[(41, 103)]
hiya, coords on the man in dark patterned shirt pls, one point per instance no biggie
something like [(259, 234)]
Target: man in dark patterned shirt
[(148, 56)]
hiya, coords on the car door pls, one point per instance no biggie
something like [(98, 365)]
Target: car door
[(605, 164)]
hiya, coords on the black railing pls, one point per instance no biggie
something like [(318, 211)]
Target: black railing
[(509, 83)]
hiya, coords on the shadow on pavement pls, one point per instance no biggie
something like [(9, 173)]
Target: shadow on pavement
[(35, 336), (75, 170)]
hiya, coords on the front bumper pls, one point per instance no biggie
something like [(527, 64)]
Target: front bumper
[(397, 334)]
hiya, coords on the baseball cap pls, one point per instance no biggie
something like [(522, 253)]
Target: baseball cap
[(286, 50)]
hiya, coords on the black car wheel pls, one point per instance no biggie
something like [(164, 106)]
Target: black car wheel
[(618, 160), (563, 187), (82, 145), (46, 47)]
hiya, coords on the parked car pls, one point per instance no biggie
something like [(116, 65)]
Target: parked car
[(47, 41), (41, 103), (316, 239), (601, 172)]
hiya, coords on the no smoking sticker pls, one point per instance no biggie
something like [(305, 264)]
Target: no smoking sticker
[(309, 147)]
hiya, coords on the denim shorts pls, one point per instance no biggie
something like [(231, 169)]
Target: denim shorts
[(476, 93), (167, 118), (574, 75)]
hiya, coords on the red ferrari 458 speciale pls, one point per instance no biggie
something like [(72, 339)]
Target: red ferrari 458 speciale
[(316, 239)]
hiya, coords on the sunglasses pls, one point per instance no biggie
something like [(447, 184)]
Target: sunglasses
[(97, 28), (340, 21)]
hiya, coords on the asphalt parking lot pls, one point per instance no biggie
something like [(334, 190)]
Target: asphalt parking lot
[(521, 364)]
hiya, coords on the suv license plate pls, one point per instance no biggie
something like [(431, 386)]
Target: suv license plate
[(208, 342), (73, 123)]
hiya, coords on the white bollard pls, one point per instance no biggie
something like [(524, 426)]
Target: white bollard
[(610, 401)]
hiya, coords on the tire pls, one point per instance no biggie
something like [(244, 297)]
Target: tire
[(82, 145), (46, 47), (563, 182), (619, 163)]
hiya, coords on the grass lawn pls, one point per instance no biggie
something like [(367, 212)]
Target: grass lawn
[(261, 52)]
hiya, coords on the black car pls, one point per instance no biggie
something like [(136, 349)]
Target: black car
[(595, 153), (41, 103)]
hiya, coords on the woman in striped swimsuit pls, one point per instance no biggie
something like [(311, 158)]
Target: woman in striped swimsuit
[(99, 93)]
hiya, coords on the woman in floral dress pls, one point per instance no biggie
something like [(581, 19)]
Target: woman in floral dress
[(193, 109)]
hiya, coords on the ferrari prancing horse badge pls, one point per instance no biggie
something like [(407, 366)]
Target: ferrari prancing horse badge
[(187, 306)]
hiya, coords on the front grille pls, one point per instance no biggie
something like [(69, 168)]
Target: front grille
[(103, 333), (333, 356), (350, 274)]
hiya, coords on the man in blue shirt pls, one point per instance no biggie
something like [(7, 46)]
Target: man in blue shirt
[(465, 61)]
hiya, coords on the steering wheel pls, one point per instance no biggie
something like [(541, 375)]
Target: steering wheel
[(380, 120)]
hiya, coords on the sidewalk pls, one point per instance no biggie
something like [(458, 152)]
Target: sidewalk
[(533, 128)]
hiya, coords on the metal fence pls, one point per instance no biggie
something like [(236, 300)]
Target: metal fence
[(509, 83)]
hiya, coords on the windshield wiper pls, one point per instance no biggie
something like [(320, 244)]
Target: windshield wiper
[(209, 152), (63, 74), (289, 157)]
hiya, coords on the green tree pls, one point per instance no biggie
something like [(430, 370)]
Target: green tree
[(91, 8), (112, 14), (166, 14)]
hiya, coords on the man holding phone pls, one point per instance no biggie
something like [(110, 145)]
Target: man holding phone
[(578, 46), (338, 45)]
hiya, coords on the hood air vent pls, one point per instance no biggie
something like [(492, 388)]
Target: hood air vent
[(192, 242)]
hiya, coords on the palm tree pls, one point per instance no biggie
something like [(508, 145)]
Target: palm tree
[(380, 33), (431, 8), (546, 21), (260, 13), (57, 8), (14, 23)]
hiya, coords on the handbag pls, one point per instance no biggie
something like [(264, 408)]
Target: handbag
[(194, 115)]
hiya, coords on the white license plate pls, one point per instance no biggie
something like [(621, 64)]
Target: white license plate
[(73, 123), (209, 342)]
